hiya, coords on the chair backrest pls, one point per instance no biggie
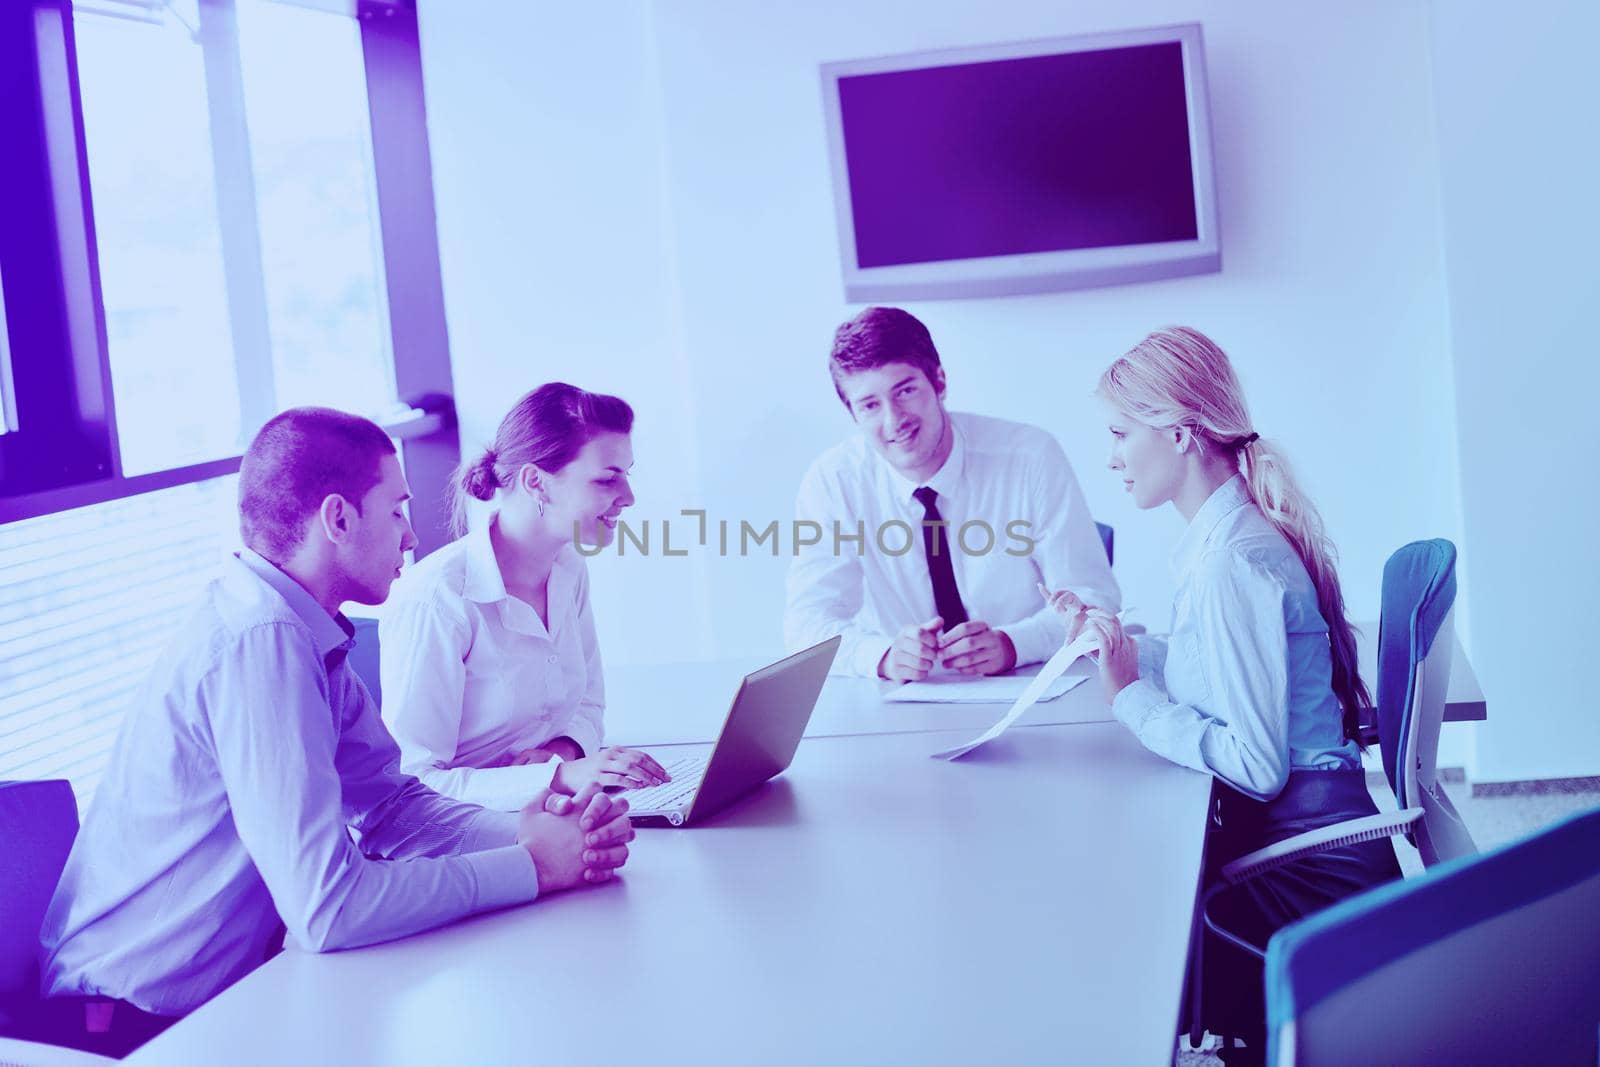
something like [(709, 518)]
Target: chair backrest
[(38, 823), (1107, 537), (1416, 642), (1419, 589), (1487, 955), (364, 657)]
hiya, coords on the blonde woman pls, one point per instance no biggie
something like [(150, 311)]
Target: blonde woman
[(491, 672), (1257, 683)]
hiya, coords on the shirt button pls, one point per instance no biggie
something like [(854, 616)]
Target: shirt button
[(553, 659)]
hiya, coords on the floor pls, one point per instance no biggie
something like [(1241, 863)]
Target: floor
[(1492, 821)]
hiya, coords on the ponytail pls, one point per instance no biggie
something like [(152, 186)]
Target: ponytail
[(1275, 491), (1178, 376)]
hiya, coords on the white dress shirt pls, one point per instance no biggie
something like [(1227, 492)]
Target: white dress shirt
[(998, 473), (250, 754), (471, 673), (1243, 685)]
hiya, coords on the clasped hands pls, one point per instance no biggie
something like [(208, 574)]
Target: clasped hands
[(575, 839), (973, 647)]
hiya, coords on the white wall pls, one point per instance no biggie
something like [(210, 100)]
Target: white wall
[(1516, 98), (636, 196), (544, 125)]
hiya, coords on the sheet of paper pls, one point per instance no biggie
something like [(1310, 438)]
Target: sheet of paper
[(962, 689), (1057, 665)]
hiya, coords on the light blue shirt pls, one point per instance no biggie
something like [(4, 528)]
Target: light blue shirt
[(250, 760), (1243, 686)]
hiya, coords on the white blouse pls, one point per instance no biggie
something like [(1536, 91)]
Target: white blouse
[(470, 673), (1243, 686)]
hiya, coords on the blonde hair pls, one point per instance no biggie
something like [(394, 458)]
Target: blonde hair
[(1178, 376)]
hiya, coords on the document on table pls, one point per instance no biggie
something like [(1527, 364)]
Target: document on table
[(964, 689), (1048, 674)]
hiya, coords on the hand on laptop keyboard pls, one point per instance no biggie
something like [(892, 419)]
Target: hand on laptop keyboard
[(625, 768)]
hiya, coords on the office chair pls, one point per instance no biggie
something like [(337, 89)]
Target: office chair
[(364, 658), (38, 822), (1483, 959), (1415, 643), (1107, 537), (1416, 638)]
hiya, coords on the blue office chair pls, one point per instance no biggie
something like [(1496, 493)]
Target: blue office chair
[(38, 823), (1416, 637), (1107, 537), (364, 658), (1484, 959)]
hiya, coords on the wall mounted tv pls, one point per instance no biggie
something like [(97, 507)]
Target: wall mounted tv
[(1023, 168)]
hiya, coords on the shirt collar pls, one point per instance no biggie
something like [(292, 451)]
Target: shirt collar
[(1223, 501), (485, 584), (945, 480), (330, 632)]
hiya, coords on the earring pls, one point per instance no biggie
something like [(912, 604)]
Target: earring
[(540, 502)]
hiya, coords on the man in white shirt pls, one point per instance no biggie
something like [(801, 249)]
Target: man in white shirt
[(938, 528), (224, 819)]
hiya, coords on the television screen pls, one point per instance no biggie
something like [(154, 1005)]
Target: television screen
[(1023, 168)]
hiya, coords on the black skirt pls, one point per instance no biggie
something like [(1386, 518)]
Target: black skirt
[(1233, 1001)]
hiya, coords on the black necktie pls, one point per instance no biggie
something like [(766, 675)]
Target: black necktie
[(946, 597)]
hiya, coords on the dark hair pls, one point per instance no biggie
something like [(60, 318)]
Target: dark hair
[(548, 428), (300, 458), (877, 336)]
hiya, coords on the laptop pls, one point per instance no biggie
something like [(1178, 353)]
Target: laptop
[(769, 714)]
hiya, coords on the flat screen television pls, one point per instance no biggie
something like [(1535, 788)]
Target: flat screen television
[(1023, 168)]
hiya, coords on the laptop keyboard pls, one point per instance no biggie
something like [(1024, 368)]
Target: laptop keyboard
[(685, 771)]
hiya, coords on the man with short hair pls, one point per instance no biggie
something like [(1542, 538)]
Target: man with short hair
[(938, 527), (253, 786)]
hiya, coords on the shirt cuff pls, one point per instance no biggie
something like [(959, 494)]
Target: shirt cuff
[(584, 735), (1137, 700), (869, 653), (491, 830), (504, 876), (1034, 641)]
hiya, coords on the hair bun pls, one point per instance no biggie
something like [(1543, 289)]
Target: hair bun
[(481, 480)]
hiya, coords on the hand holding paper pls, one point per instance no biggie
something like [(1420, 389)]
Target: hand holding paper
[(1067, 605), (1119, 656)]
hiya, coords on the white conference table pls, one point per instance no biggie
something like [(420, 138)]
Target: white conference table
[(686, 703), (1029, 903), (682, 703)]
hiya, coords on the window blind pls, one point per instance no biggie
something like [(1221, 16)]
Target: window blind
[(88, 600)]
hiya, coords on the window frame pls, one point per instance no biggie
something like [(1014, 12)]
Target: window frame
[(65, 411)]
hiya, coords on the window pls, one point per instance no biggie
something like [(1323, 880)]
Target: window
[(230, 162), (204, 198), (221, 239), (158, 238), (322, 263), (91, 598)]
